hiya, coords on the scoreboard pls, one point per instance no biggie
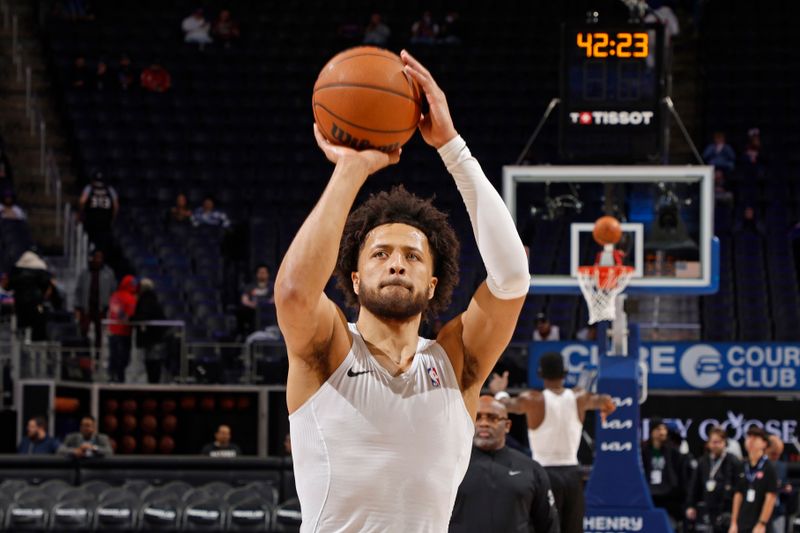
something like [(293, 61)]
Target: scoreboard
[(612, 82)]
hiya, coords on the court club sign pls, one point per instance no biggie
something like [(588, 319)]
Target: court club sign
[(691, 366)]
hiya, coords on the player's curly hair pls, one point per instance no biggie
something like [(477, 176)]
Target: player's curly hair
[(400, 206)]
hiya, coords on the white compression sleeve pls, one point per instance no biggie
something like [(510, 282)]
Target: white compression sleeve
[(497, 237)]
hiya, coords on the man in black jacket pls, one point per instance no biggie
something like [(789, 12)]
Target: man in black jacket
[(711, 490), (503, 489), (663, 471)]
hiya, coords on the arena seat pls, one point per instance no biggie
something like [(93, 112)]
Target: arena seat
[(74, 511)]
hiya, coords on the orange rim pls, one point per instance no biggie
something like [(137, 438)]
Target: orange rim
[(607, 276)]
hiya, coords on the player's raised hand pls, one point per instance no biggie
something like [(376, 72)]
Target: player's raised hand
[(374, 160), (498, 383), (437, 126)]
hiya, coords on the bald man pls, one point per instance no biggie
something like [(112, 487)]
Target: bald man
[(503, 490)]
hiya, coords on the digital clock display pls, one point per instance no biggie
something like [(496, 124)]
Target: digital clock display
[(620, 44), (612, 82)]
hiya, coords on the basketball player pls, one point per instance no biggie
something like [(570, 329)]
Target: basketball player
[(382, 420), (555, 424)]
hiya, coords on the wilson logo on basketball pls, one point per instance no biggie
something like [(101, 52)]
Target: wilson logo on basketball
[(344, 138)]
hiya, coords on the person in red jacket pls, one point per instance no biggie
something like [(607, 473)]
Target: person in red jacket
[(121, 307), (155, 78)]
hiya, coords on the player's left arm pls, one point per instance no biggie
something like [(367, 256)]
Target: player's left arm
[(483, 331)]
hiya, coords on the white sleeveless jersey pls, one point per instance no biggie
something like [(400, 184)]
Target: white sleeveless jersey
[(556, 441), (376, 453)]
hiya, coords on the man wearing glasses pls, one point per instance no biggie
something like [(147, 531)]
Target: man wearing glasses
[(503, 490)]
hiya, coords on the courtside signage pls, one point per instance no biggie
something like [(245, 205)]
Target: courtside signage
[(691, 366)]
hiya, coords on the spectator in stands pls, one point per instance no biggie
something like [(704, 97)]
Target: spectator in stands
[(785, 491), (756, 491), (719, 153), (126, 76), (36, 440), (121, 308), (86, 442), (180, 212), (99, 205), (6, 294), (9, 210), (587, 333), (710, 492), (749, 223), (209, 215), (75, 10), (196, 29), (225, 29), (30, 281), (92, 294), (721, 193), (222, 445), (545, 331), (377, 32), (450, 32), (424, 30), (150, 338), (155, 78), (662, 468), (752, 152), (253, 296), (80, 73), (6, 178), (102, 76), (519, 502)]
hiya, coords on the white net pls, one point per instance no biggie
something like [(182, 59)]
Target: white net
[(600, 286)]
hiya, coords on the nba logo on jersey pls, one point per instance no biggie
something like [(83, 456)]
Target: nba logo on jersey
[(434, 375)]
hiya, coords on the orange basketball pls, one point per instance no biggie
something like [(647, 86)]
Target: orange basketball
[(149, 424), (149, 444), (166, 444), (110, 423), (169, 423), (129, 423), (128, 444), (607, 230), (364, 99)]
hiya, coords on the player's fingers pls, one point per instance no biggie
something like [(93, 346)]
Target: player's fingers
[(505, 374), (411, 60), (321, 140)]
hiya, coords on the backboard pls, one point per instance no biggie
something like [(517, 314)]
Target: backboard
[(667, 215)]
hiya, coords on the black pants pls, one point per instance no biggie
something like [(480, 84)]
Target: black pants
[(567, 485)]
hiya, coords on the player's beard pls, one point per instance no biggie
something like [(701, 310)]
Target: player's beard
[(400, 304)]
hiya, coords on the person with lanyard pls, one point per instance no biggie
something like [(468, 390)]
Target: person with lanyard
[(713, 482), (757, 489)]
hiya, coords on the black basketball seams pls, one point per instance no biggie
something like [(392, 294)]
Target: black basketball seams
[(337, 117), (366, 86)]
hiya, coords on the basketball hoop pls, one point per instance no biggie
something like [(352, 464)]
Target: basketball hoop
[(600, 286)]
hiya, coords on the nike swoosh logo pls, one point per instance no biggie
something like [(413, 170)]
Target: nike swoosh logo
[(514, 472), (352, 374)]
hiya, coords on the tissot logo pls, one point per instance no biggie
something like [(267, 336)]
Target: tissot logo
[(611, 118)]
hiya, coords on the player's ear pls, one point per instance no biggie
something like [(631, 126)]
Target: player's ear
[(356, 281), (432, 287)]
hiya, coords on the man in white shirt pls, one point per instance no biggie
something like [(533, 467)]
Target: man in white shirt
[(545, 331)]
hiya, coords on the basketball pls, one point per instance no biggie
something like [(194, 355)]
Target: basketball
[(149, 444), (607, 230), (169, 423), (128, 423), (149, 405), (166, 444), (128, 444), (149, 423), (111, 405), (129, 406), (110, 423), (364, 99)]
